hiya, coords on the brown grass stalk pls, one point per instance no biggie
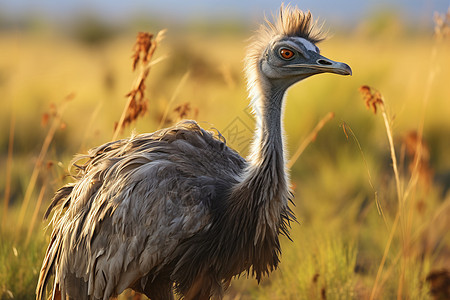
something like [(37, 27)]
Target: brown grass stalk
[(374, 100), (37, 166), (92, 119), (388, 271), (418, 153), (9, 162), (35, 213), (348, 130), (415, 173), (310, 138), (393, 156), (418, 234), (374, 292), (136, 103), (172, 99)]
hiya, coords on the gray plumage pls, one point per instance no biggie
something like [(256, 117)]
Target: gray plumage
[(178, 208)]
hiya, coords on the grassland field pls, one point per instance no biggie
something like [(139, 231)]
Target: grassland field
[(341, 241)]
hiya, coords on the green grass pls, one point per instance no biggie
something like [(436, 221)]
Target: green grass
[(324, 268), (340, 239), (20, 261)]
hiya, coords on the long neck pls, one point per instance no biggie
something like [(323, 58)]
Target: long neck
[(264, 188), (266, 158)]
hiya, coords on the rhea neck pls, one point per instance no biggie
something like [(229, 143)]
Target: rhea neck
[(262, 192), (268, 103), (265, 179)]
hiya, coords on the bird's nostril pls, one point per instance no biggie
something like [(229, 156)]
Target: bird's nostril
[(324, 62)]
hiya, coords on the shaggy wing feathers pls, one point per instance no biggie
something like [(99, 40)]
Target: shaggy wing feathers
[(144, 194)]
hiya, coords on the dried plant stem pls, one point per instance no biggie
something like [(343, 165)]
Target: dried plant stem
[(374, 99), (310, 138), (34, 175), (389, 270), (172, 99), (124, 112), (35, 213), (418, 153), (142, 75), (9, 162), (348, 129), (139, 83), (90, 125), (415, 172), (418, 233), (399, 196), (385, 254), (393, 156)]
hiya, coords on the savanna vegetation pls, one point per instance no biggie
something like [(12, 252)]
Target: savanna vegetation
[(371, 184)]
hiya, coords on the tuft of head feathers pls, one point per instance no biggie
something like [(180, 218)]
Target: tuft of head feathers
[(290, 22)]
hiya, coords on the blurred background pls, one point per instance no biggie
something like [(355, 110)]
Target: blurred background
[(173, 11), (66, 66)]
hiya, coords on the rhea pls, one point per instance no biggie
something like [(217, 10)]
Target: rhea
[(177, 210)]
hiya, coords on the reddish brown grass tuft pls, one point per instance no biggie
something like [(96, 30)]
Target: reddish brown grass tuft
[(143, 48), (371, 97), (184, 111), (137, 103)]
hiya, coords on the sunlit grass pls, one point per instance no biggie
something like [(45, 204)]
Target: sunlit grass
[(340, 240), (20, 262)]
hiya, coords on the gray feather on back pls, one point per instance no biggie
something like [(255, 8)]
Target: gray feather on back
[(134, 201)]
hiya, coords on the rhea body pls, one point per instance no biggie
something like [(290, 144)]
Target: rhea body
[(178, 209)]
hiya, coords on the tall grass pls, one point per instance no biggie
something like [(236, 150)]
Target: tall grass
[(9, 160), (372, 219), (56, 123), (20, 263), (136, 105), (324, 269)]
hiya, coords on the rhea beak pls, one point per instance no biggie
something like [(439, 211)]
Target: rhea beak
[(321, 64)]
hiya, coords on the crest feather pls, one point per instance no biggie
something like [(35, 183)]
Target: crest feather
[(291, 21)]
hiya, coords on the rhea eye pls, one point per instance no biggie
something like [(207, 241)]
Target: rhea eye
[(286, 53)]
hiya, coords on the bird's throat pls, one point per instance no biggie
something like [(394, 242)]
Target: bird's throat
[(268, 143), (264, 189)]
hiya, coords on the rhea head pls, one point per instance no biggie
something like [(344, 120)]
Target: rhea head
[(285, 52)]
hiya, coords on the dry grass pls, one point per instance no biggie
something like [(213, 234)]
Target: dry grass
[(8, 170), (309, 139), (418, 168), (137, 103), (374, 100), (164, 118), (56, 124), (347, 247)]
